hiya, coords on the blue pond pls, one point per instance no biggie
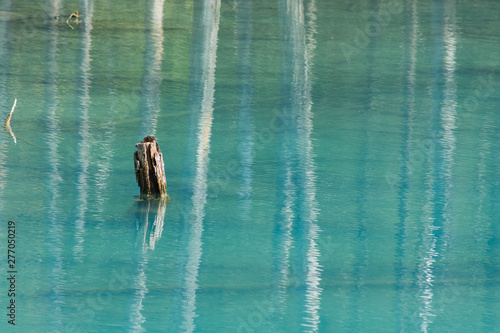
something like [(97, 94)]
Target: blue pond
[(333, 166)]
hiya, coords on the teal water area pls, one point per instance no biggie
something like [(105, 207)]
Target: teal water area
[(333, 166)]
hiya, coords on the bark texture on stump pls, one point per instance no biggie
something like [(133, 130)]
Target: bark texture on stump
[(149, 168)]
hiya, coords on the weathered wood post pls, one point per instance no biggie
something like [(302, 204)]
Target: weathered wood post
[(149, 168)]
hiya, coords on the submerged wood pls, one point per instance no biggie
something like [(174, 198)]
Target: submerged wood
[(149, 168)]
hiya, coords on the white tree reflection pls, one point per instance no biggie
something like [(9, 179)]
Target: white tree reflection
[(85, 140), (193, 206), (296, 218), (54, 218), (148, 232), (437, 217)]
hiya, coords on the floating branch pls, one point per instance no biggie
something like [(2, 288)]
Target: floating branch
[(7, 127), (149, 168), (74, 15)]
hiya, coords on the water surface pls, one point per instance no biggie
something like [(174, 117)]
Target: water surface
[(332, 165)]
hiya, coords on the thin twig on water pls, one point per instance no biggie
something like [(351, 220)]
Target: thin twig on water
[(73, 15), (7, 122)]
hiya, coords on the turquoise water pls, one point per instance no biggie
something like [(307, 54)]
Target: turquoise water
[(332, 165)]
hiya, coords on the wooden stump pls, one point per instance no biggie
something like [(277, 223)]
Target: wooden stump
[(149, 168)]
